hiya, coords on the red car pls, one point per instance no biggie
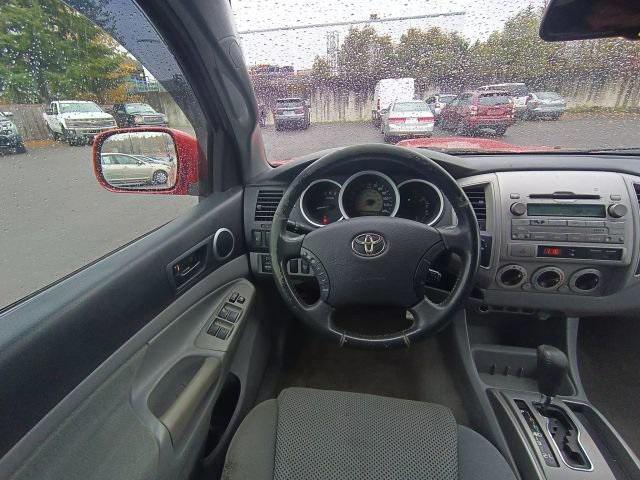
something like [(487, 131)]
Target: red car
[(473, 111)]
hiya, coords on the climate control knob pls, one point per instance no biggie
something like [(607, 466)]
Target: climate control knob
[(518, 208), (617, 210)]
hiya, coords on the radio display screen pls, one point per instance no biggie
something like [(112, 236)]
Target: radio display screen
[(565, 210)]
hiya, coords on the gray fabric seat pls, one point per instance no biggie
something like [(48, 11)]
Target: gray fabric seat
[(317, 434)]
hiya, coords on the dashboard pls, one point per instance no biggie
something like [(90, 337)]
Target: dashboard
[(367, 193), (556, 239)]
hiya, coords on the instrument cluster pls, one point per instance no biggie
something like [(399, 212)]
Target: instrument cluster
[(371, 193)]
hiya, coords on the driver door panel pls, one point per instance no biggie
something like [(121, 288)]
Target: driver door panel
[(127, 392)]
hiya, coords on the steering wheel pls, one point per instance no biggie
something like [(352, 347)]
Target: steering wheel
[(376, 260)]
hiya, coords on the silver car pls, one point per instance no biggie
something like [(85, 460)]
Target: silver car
[(545, 105), (121, 169), (407, 118)]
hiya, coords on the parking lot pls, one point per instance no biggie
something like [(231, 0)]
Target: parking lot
[(54, 218)]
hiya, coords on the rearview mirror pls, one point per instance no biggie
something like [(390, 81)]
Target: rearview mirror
[(585, 19), (147, 160)]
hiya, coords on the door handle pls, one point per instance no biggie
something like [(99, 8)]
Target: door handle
[(177, 417)]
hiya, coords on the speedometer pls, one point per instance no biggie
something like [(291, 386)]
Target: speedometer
[(319, 202), (369, 193), (420, 201)]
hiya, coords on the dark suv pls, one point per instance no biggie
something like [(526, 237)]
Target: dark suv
[(137, 114), (474, 111), (10, 138), (291, 112)]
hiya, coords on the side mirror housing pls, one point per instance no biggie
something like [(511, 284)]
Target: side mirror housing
[(157, 160)]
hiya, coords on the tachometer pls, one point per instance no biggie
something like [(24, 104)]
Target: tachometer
[(420, 201), (319, 202), (369, 193)]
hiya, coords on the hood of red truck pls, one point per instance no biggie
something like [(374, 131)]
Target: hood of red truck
[(453, 144)]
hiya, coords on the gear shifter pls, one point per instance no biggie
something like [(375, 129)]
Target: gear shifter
[(553, 366), (552, 370)]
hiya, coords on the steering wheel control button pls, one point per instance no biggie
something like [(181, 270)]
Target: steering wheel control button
[(369, 244), (511, 276), (318, 271)]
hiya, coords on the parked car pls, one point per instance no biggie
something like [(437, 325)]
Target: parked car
[(474, 111), (10, 138), (138, 114), (412, 118), (438, 102), (545, 105), (77, 122), (517, 91), (125, 169), (386, 91), (291, 112)]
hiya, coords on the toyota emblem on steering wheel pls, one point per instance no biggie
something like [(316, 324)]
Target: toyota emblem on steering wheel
[(369, 244)]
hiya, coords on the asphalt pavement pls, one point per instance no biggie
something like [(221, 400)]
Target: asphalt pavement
[(55, 218)]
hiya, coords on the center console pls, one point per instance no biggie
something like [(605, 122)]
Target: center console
[(532, 402)]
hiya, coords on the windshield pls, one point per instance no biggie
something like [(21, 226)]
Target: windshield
[(88, 107), (350, 60), (411, 107), (134, 108)]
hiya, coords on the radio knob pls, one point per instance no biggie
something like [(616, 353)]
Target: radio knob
[(617, 210), (518, 208)]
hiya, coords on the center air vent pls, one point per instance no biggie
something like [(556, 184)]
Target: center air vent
[(266, 204), (478, 201)]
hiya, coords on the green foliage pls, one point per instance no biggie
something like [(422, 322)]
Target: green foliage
[(365, 57), (47, 51), (436, 58), (321, 70)]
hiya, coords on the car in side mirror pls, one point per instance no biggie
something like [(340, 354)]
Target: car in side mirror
[(147, 160), (7, 114)]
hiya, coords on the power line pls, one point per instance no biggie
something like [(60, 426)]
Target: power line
[(352, 22)]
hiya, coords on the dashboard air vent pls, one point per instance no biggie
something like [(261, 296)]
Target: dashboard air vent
[(478, 200), (636, 187), (266, 204)]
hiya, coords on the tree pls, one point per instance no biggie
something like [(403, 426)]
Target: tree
[(321, 72), (48, 50), (433, 57), (365, 57), (517, 53)]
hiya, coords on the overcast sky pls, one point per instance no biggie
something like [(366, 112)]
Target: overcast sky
[(299, 47)]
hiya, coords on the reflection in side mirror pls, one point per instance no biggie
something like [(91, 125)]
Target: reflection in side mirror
[(7, 114), (139, 160)]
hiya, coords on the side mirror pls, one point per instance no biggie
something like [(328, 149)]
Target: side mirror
[(168, 161), (49, 111)]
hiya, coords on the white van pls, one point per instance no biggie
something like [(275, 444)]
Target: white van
[(387, 90), (517, 91)]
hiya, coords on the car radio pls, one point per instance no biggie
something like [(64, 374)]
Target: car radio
[(569, 226), (592, 222)]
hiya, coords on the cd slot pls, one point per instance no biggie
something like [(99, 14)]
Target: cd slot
[(565, 196)]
